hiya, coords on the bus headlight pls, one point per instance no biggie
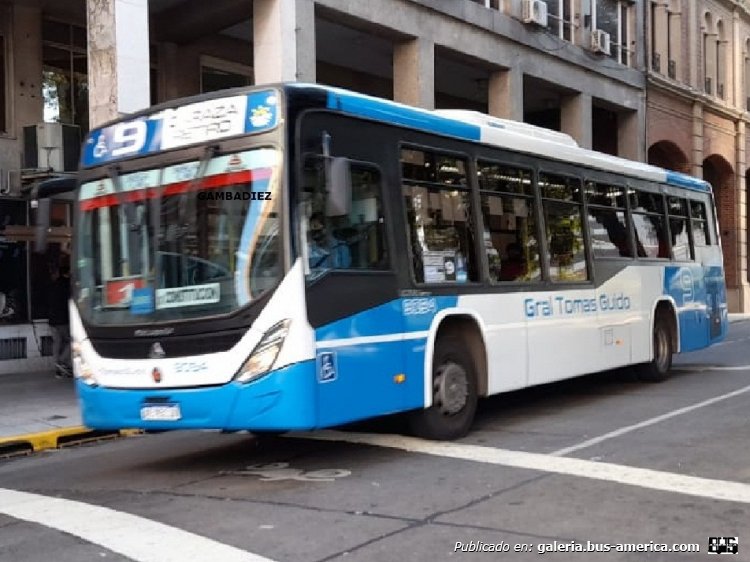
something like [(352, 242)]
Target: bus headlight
[(81, 369), (264, 355)]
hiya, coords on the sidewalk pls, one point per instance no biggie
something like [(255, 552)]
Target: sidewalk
[(39, 411)]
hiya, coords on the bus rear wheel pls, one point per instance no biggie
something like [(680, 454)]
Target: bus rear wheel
[(657, 370), (454, 393)]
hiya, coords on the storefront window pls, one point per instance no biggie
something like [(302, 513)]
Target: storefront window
[(13, 308), (65, 74)]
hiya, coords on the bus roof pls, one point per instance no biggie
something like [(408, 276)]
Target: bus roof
[(514, 135), (467, 125)]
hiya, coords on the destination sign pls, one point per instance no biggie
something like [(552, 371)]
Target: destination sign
[(177, 127)]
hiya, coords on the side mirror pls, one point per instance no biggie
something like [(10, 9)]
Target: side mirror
[(339, 187), (42, 225)]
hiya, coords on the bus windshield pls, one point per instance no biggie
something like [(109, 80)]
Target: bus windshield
[(180, 242)]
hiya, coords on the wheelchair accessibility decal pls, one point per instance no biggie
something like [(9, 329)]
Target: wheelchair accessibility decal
[(327, 366)]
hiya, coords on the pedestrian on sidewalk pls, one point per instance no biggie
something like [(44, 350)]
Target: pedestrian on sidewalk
[(59, 320)]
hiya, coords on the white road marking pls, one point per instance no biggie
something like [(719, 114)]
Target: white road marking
[(723, 490), (646, 423), (137, 538), (702, 369)]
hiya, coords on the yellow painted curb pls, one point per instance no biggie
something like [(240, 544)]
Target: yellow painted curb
[(51, 439)]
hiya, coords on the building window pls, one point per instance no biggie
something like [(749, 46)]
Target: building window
[(217, 74), (65, 74), (721, 60), (709, 55), (746, 73), (674, 38), (560, 15), (666, 27), (614, 18)]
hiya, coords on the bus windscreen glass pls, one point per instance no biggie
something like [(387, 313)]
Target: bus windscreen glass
[(186, 241)]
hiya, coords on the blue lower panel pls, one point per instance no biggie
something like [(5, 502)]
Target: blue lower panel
[(700, 297), (363, 382), (281, 400)]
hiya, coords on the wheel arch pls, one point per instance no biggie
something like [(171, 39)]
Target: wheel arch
[(468, 325), (665, 306)]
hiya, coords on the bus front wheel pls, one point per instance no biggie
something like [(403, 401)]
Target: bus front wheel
[(657, 370), (454, 393)]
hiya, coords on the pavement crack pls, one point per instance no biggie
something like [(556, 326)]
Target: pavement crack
[(288, 504), (430, 519)]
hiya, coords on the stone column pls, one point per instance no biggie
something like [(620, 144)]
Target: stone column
[(741, 219), (694, 45), (28, 102), (283, 41), (118, 58), (697, 139), (631, 133), (506, 94), (737, 62), (414, 73), (576, 118)]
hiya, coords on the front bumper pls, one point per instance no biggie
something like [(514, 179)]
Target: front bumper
[(282, 400)]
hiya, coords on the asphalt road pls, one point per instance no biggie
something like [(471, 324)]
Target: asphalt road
[(598, 462)]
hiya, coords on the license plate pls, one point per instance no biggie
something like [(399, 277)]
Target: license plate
[(162, 412)]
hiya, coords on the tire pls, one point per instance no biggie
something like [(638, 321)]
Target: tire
[(657, 370), (454, 402)]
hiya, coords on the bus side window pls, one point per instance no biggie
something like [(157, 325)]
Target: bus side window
[(678, 229), (699, 226), (440, 217), (610, 237), (354, 241), (563, 217), (509, 211), (650, 225)]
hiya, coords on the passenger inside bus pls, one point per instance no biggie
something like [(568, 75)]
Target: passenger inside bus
[(512, 266), (326, 250)]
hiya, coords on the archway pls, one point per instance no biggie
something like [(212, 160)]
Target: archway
[(720, 174), (667, 154)]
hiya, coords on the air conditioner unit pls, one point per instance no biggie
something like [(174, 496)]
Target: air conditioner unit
[(600, 42), (55, 146), (535, 11)]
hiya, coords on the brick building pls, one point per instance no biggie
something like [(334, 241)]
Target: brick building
[(698, 102)]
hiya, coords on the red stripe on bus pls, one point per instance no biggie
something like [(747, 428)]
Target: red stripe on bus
[(210, 182)]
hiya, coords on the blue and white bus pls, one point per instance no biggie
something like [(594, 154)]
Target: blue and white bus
[(292, 257)]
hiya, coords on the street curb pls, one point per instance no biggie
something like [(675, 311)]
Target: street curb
[(56, 439)]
